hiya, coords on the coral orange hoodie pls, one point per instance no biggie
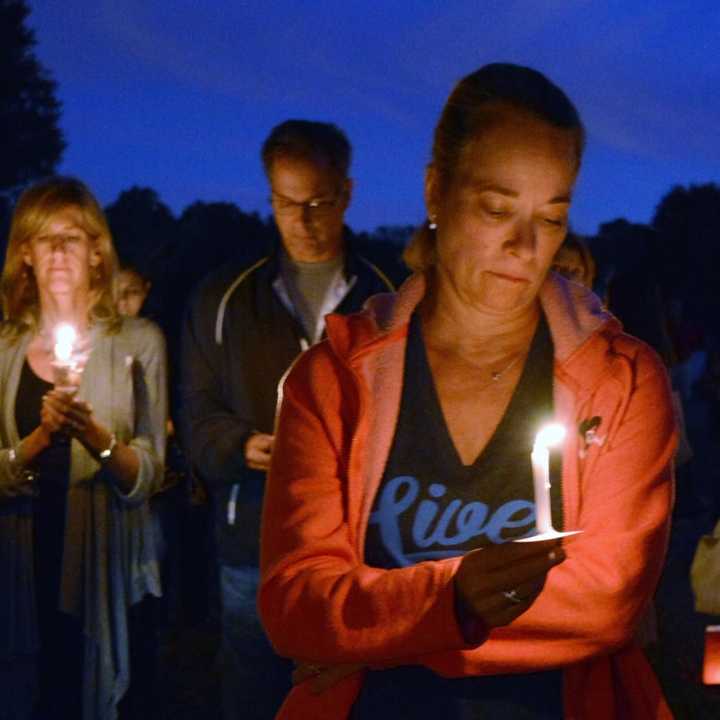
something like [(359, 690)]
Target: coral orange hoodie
[(320, 603)]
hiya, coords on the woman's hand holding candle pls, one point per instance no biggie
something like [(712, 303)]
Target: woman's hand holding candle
[(66, 413), (496, 584), (62, 411), (54, 412)]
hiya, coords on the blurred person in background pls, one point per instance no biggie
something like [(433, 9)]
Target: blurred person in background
[(171, 502), (78, 463), (574, 261), (132, 290)]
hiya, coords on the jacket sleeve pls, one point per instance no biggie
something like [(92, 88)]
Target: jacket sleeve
[(213, 431), (150, 389), (14, 482), (317, 599)]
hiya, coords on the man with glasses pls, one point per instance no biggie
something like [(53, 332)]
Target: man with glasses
[(240, 337)]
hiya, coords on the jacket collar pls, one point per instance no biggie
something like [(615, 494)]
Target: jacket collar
[(575, 316), (372, 344)]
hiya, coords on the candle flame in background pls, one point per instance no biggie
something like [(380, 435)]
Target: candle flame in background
[(711, 659), (65, 337), (550, 435)]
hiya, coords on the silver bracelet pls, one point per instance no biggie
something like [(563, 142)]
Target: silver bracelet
[(105, 455), (17, 467), (15, 464)]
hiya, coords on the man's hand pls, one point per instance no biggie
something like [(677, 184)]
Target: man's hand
[(258, 450)]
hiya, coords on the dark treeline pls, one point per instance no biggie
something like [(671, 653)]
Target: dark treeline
[(667, 269), (678, 247), (668, 266), (664, 268)]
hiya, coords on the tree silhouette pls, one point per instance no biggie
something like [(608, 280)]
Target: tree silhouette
[(142, 225), (217, 233), (31, 143), (383, 247), (687, 221)]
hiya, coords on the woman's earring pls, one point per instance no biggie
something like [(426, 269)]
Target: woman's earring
[(431, 223)]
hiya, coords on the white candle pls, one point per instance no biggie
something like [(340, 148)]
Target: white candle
[(548, 436), (65, 336), (65, 369)]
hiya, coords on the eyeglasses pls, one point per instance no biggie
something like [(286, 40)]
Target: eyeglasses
[(315, 207)]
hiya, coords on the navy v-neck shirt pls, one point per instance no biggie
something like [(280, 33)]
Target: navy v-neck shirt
[(430, 506)]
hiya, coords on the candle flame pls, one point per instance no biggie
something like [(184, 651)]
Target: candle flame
[(550, 435), (65, 336)]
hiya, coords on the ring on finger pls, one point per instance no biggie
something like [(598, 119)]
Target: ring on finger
[(512, 596)]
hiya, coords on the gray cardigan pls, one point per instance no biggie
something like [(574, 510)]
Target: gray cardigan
[(109, 560)]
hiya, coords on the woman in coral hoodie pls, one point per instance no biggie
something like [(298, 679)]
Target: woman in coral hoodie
[(402, 471)]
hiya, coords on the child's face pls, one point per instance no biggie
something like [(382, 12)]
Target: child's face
[(132, 291)]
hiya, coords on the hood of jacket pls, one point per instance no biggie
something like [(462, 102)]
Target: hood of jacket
[(574, 314)]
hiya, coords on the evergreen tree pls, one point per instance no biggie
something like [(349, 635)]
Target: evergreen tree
[(687, 221), (31, 142), (142, 225)]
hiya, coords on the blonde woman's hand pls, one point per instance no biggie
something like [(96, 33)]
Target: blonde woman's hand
[(81, 419), (121, 460), (55, 412), (76, 418)]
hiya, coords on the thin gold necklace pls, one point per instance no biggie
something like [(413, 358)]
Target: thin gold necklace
[(497, 374)]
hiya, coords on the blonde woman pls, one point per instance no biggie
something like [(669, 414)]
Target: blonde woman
[(76, 467)]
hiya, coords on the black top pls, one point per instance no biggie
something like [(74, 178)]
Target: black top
[(52, 465), (61, 638), (430, 506), (52, 469)]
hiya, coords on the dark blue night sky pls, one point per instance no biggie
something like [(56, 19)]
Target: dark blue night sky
[(178, 95)]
